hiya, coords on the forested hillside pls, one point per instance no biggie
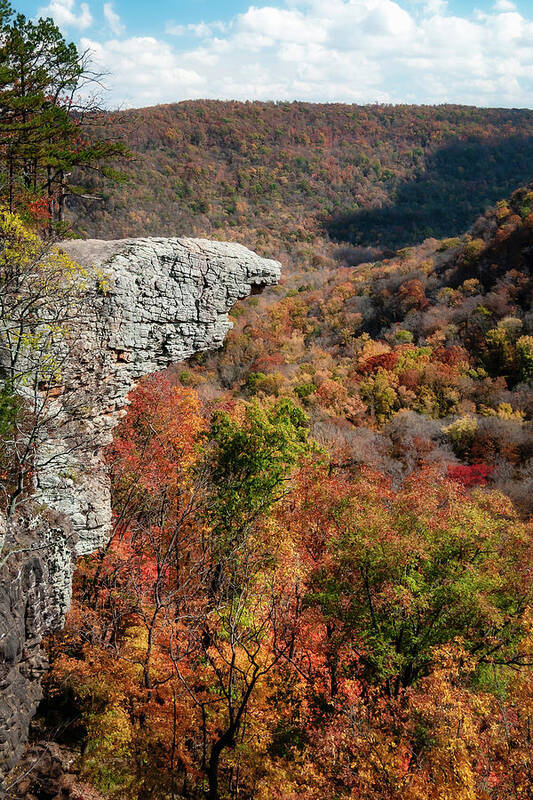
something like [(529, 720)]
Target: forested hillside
[(315, 567), (427, 355), (271, 174), (319, 578)]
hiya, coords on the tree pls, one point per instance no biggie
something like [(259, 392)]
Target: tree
[(193, 593), (524, 348), (247, 624), (414, 641), (44, 120), (42, 294), (379, 392), (415, 570), (249, 460)]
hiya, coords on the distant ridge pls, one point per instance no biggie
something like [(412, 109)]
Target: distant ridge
[(376, 175)]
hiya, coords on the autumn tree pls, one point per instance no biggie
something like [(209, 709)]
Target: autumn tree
[(416, 615), (192, 593), (42, 294), (413, 571), (246, 627)]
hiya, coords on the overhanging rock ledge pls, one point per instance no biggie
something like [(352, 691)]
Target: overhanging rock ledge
[(158, 301)]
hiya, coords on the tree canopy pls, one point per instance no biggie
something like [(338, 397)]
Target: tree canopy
[(47, 107)]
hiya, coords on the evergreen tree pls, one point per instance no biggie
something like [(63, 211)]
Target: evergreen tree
[(44, 125)]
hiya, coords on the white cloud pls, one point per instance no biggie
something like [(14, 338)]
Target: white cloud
[(281, 25), (436, 6), (145, 71), (113, 19), (65, 13), (333, 50), (504, 5), (200, 29)]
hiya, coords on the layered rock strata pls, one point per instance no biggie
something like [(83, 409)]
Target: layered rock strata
[(156, 302)]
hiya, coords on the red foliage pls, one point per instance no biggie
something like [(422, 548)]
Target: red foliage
[(412, 294), (40, 208), (452, 355), (410, 378), (267, 362), (470, 474), (383, 360)]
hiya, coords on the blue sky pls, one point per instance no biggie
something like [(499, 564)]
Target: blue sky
[(412, 51)]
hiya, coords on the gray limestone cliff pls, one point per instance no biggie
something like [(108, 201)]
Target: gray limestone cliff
[(159, 301)]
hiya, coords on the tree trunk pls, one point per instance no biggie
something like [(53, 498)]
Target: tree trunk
[(226, 740), (214, 763), (11, 183), (61, 198)]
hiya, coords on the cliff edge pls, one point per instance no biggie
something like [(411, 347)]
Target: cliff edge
[(158, 301)]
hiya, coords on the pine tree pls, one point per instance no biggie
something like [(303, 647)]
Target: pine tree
[(44, 125)]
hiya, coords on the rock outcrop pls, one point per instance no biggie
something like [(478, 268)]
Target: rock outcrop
[(157, 302)]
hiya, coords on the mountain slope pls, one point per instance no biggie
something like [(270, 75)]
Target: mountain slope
[(271, 173), (426, 356)]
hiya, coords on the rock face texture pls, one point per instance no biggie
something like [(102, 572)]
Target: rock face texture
[(156, 302)]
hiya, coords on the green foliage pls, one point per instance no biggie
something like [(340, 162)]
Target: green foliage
[(250, 461), (40, 117), (8, 411), (260, 382), (379, 393), (110, 738), (186, 377), (304, 390), (420, 570), (524, 349), (254, 381), (403, 336), (447, 244), (41, 294), (462, 434), (505, 356), (41, 289), (527, 205), (472, 251), (415, 357)]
